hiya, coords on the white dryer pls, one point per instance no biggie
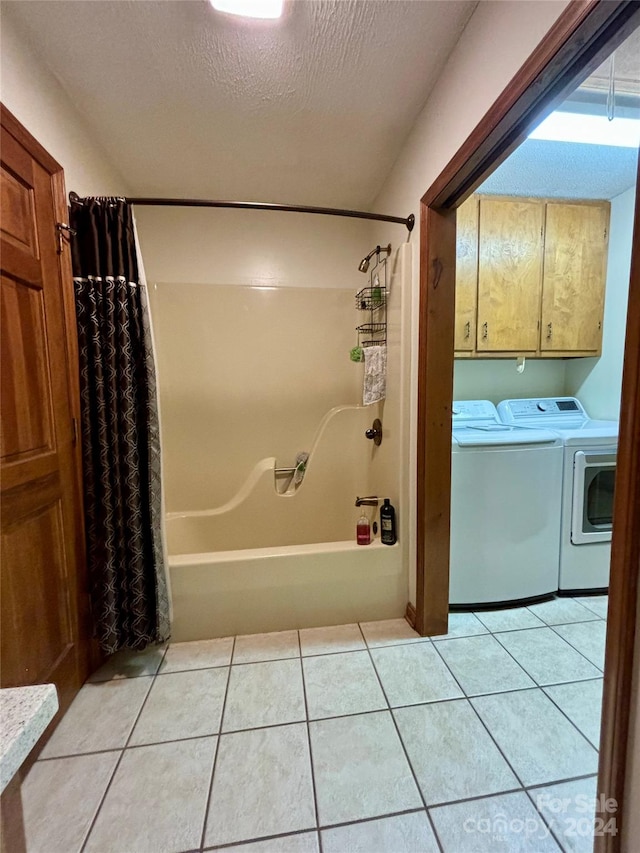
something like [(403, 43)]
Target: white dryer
[(505, 511), (590, 448)]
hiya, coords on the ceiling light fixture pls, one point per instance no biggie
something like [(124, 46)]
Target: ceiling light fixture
[(250, 8), (590, 129)]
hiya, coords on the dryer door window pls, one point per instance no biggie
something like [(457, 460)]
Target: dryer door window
[(593, 488)]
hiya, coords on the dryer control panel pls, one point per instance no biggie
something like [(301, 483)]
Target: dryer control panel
[(541, 408)]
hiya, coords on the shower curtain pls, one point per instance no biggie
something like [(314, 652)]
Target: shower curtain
[(120, 431)]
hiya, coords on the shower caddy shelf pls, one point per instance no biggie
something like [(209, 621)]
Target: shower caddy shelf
[(373, 299)]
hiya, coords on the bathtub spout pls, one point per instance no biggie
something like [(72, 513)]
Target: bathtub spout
[(372, 500)]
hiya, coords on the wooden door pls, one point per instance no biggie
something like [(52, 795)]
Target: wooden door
[(509, 275), (573, 283), (466, 275), (43, 605)]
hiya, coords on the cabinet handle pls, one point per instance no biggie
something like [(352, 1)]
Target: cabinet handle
[(549, 331), (599, 325), (467, 330), (485, 331)]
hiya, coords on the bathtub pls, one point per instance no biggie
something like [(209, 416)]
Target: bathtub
[(254, 564), (274, 589)]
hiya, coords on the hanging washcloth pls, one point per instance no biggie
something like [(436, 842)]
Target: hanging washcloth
[(301, 467), (375, 374)]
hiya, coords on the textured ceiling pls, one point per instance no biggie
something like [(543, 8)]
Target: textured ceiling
[(564, 170), (311, 109)]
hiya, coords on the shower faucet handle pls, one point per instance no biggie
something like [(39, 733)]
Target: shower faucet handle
[(375, 432)]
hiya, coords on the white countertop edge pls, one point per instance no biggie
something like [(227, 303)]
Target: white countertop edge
[(25, 712)]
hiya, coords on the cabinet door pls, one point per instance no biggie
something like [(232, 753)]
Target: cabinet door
[(575, 260), (509, 275), (466, 274)]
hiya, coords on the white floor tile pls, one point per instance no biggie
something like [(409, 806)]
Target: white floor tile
[(507, 823), (251, 648), (197, 655), (588, 638), (536, 738), (338, 638), (597, 603), (569, 810), (100, 717), (582, 703), (157, 800), (462, 625), (414, 674), (511, 619), (388, 632), (452, 755), (407, 833), (360, 769), (60, 798), (481, 665), (130, 664), (303, 842), (262, 785), (264, 694), (182, 705), (546, 657), (560, 611), (341, 684)]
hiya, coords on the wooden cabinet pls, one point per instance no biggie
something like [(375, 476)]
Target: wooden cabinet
[(575, 264), (530, 277), (466, 274), (509, 275)]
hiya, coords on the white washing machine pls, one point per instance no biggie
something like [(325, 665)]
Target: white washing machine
[(590, 449), (505, 508)]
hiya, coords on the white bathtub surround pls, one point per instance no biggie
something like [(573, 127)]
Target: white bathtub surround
[(321, 509), (277, 755), (278, 589), (25, 712)]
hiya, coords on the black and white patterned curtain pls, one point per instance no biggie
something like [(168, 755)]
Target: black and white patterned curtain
[(120, 432)]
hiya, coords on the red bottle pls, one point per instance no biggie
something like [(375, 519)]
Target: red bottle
[(363, 531)]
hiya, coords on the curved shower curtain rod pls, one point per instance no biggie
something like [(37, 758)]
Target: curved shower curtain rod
[(408, 222)]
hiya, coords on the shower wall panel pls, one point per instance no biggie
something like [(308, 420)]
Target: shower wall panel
[(246, 373)]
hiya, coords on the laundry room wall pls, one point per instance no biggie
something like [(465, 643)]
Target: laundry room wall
[(497, 379), (597, 382)]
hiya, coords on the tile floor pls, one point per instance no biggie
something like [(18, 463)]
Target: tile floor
[(358, 738)]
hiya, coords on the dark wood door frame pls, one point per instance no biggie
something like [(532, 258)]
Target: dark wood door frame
[(582, 37)]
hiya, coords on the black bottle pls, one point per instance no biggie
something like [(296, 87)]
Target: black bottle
[(388, 524)]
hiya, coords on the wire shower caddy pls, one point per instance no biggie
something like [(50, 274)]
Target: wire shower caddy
[(373, 299)]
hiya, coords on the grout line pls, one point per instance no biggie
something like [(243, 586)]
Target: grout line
[(217, 752), (564, 713), (121, 756), (544, 820), (404, 750), (561, 781), (307, 725), (558, 634), (262, 838), (371, 819), (512, 630)]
